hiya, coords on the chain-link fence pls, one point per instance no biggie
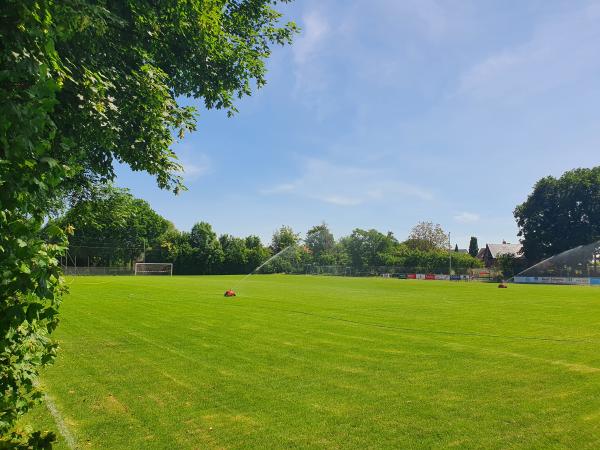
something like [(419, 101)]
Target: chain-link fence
[(74, 270), (402, 272)]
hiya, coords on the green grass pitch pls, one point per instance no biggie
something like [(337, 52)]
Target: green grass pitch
[(325, 362)]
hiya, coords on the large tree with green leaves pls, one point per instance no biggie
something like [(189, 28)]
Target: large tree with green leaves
[(560, 213), (285, 242), (85, 84), (370, 248), (282, 238), (207, 254), (508, 264), (235, 254), (427, 236), (111, 226), (256, 253), (320, 242)]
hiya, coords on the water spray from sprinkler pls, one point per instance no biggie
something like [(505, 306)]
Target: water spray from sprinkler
[(231, 292)]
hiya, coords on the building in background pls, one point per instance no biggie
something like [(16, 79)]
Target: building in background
[(490, 252)]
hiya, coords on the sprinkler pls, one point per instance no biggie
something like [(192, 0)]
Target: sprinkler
[(231, 292)]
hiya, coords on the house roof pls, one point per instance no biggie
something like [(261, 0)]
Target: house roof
[(504, 249)]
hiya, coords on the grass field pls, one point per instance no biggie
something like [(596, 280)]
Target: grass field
[(324, 362)]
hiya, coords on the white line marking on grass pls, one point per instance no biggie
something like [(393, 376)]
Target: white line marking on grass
[(60, 423)]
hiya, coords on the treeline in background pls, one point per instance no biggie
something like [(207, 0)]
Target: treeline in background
[(111, 228)]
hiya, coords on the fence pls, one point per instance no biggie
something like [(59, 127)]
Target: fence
[(581, 281), (73, 270), (403, 272), (489, 274)]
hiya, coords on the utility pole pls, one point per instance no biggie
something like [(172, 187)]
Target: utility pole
[(450, 253)]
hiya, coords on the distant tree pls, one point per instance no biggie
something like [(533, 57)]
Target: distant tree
[(252, 241), (560, 214), (370, 248), (419, 244), (339, 253), (282, 238), (431, 234), (111, 226), (256, 253), (206, 248), (235, 254), (320, 242), (506, 263), (434, 261), (473, 247), (285, 239), (456, 248), (174, 246)]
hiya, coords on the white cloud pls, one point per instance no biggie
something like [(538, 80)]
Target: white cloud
[(310, 67), (467, 217), (340, 200), (314, 30), (561, 51), (345, 185), (279, 189), (192, 170)]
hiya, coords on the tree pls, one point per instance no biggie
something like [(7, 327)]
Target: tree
[(560, 214), (507, 264), (283, 238), (473, 247), (338, 255), (229, 255), (284, 241), (370, 248), (84, 84), (456, 248), (207, 254), (235, 254), (434, 261), (112, 226), (174, 246), (429, 235), (320, 242), (257, 253)]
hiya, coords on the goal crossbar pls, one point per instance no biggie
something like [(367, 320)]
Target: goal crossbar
[(154, 269)]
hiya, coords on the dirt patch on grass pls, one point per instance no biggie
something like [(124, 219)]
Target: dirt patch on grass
[(574, 367), (225, 419), (351, 369), (111, 404)]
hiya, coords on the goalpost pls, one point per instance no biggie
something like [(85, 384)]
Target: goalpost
[(154, 269)]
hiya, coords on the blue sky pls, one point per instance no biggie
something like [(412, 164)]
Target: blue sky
[(387, 112)]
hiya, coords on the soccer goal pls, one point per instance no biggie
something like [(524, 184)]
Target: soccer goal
[(153, 268)]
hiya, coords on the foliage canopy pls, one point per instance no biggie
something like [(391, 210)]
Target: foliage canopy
[(85, 84), (428, 236), (110, 226), (560, 213)]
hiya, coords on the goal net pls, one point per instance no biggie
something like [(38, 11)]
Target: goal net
[(153, 268), (579, 265)]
